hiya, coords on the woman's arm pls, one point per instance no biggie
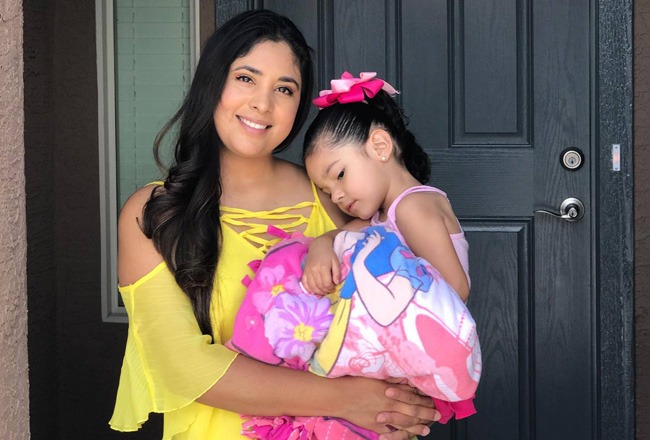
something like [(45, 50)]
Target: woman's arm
[(252, 387), (423, 226)]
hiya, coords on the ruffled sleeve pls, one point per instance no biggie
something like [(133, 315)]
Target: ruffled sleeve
[(168, 362)]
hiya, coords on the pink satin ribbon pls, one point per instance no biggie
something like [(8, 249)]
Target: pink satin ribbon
[(350, 89)]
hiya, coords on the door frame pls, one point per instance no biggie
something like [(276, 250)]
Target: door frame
[(612, 199), (613, 263)]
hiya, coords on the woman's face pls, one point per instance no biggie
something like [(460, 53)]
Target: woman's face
[(259, 101)]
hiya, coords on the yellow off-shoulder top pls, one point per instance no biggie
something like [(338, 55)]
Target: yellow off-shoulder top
[(168, 363)]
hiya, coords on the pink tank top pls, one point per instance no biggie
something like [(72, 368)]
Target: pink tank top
[(458, 240)]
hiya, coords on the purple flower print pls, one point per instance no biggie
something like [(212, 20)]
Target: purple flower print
[(268, 283), (296, 323)]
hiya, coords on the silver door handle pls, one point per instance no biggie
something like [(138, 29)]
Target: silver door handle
[(571, 210)]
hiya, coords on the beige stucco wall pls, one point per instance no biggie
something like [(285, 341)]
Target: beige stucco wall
[(14, 387)]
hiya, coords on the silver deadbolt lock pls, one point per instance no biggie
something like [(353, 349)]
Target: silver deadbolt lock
[(571, 210), (572, 159)]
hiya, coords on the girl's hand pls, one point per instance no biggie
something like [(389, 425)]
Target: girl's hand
[(322, 272)]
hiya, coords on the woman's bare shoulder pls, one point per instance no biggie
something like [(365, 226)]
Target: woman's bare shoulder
[(300, 179), (295, 180), (339, 218), (136, 254), (292, 170)]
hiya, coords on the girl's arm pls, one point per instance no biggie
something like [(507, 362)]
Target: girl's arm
[(251, 387), (421, 220), (322, 273)]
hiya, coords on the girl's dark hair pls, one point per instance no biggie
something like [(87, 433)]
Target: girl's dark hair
[(183, 219), (342, 124)]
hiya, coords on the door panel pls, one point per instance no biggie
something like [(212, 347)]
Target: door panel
[(496, 90), (563, 307), (500, 258)]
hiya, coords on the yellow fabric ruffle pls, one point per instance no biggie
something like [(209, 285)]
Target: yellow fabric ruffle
[(168, 363)]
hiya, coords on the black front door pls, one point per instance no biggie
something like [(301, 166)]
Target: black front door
[(497, 91)]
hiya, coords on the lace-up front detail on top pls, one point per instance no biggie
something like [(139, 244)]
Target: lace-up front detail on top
[(252, 225)]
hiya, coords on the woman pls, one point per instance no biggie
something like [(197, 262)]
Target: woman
[(184, 246)]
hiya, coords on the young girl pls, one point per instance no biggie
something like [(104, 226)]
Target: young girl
[(359, 151), (392, 314)]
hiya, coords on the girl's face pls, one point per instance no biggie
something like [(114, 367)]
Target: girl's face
[(352, 175), (259, 101)]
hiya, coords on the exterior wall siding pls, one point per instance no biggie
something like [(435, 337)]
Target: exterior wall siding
[(14, 383)]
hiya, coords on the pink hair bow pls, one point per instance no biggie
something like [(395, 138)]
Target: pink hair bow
[(350, 89)]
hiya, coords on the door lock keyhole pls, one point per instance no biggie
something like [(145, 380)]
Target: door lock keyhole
[(572, 159)]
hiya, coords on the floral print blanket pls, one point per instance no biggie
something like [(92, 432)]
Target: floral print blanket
[(392, 316)]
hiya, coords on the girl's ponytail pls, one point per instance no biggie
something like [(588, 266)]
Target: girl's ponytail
[(414, 157), (410, 153)]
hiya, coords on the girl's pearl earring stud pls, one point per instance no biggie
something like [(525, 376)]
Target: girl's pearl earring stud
[(383, 158)]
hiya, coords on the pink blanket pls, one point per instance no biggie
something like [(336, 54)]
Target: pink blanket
[(393, 316)]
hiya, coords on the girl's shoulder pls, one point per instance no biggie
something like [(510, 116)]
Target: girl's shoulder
[(428, 207), (427, 200), (423, 201)]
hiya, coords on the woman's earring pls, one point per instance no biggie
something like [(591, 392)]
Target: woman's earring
[(383, 158)]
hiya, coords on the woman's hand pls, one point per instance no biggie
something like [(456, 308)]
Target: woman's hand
[(322, 272), (417, 423), (384, 406)]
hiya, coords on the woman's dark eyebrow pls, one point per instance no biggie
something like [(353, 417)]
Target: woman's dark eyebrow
[(249, 68), (255, 71)]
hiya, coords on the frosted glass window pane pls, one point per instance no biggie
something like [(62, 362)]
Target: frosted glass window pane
[(152, 75)]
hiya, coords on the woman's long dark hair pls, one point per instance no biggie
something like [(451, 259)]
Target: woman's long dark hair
[(183, 219), (342, 124)]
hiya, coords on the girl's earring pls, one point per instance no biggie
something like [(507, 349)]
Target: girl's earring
[(383, 158)]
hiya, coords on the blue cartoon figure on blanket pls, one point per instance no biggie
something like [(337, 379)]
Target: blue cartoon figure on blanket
[(402, 274)]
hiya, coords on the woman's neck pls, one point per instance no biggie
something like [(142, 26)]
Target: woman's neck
[(242, 172), (251, 183)]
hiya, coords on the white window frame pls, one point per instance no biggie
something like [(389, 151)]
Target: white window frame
[(105, 33)]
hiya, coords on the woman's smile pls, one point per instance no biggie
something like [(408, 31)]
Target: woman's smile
[(255, 126), (259, 101)]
